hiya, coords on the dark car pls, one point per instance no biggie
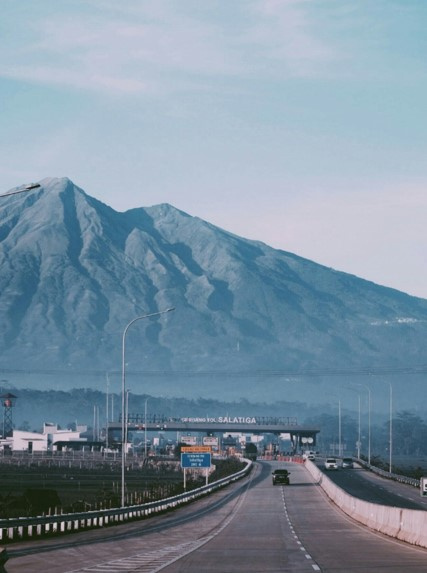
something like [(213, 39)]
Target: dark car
[(281, 476), (347, 463)]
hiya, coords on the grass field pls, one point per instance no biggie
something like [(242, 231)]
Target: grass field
[(30, 486)]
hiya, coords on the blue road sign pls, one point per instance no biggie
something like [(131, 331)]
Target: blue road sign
[(195, 460)]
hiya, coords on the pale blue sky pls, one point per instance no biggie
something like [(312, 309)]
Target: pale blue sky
[(301, 123)]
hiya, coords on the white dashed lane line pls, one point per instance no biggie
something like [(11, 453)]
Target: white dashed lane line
[(295, 536)]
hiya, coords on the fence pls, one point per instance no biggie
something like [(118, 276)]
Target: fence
[(29, 527)]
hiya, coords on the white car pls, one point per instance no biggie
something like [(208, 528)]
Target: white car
[(331, 464)]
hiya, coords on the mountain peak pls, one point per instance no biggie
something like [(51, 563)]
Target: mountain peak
[(75, 272)]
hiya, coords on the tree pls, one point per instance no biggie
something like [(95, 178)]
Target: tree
[(251, 451), (409, 434)]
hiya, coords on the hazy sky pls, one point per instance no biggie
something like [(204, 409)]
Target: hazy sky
[(301, 123)]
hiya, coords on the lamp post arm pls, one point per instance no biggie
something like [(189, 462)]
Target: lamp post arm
[(23, 190)]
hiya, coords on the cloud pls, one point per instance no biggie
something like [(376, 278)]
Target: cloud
[(283, 31), (152, 47), (58, 76)]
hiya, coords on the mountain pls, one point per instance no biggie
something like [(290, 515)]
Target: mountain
[(250, 320)]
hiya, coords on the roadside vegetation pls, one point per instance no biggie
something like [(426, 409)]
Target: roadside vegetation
[(409, 431), (49, 486)]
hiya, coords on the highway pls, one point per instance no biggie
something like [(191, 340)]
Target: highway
[(368, 486), (250, 527)]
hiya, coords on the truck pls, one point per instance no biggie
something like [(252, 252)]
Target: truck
[(281, 477)]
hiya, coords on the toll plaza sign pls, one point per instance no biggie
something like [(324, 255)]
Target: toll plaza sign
[(196, 457), (222, 420), (210, 441)]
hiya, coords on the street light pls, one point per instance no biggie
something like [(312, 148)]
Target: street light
[(126, 418), (145, 430), (390, 423), (340, 448), (124, 424), (369, 421), (391, 426), (358, 430)]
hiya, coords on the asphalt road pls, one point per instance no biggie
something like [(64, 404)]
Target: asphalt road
[(253, 527), (297, 529), (368, 486)]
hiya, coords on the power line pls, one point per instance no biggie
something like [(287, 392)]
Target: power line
[(309, 372)]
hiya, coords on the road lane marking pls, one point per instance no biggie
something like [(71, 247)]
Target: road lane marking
[(155, 561), (295, 536)]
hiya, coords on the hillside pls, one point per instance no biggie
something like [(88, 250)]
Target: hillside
[(248, 317)]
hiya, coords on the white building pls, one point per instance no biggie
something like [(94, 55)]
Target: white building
[(29, 441), (36, 442)]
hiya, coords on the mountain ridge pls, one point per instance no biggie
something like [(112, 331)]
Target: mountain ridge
[(75, 272)]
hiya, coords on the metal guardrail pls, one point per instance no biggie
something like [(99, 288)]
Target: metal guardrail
[(383, 473), (28, 527)]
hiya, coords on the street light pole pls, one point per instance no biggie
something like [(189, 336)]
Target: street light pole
[(359, 426), (127, 420), (107, 410), (369, 421), (390, 424), (391, 427), (359, 433), (145, 430), (124, 425)]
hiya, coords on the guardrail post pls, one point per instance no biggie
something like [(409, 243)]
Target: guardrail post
[(39, 525), (3, 558)]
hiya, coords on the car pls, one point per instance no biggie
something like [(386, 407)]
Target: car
[(311, 457), (331, 464), (281, 476), (347, 463)]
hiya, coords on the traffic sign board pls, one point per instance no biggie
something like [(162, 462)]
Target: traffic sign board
[(196, 460), (196, 449)]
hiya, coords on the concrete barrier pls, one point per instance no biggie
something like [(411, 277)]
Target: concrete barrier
[(409, 525)]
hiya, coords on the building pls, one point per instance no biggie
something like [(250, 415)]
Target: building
[(50, 439)]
